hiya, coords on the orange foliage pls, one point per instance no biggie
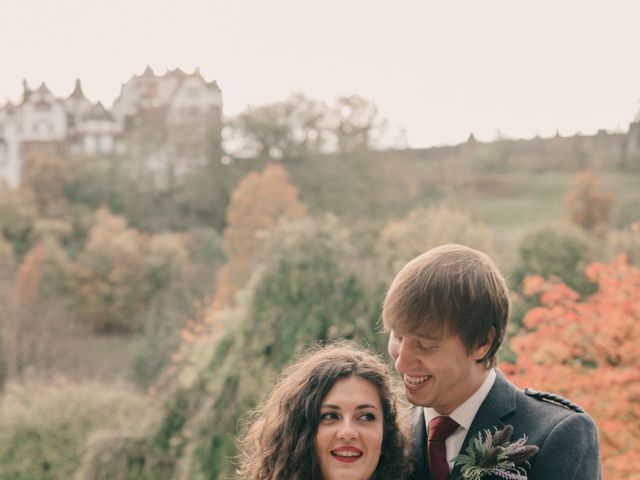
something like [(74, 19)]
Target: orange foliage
[(29, 275), (257, 204), (110, 274), (587, 349)]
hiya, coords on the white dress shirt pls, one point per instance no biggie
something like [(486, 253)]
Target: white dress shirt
[(464, 416)]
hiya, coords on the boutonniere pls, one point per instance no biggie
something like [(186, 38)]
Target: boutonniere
[(494, 454)]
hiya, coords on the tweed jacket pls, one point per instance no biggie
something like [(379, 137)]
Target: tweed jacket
[(568, 440)]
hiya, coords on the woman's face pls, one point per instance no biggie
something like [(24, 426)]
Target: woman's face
[(348, 442)]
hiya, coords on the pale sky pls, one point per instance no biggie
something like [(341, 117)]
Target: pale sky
[(440, 70)]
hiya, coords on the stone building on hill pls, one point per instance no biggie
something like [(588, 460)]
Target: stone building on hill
[(171, 122), (163, 125)]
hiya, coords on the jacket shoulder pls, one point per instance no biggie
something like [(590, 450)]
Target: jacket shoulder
[(552, 398)]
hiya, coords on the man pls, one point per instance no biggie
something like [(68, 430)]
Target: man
[(447, 313)]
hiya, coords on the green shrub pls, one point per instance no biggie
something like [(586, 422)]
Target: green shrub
[(159, 340), (625, 241), (425, 228), (45, 426), (556, 250)]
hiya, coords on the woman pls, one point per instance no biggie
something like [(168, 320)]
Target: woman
[(331, 416)]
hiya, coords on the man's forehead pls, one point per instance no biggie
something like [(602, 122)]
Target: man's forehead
[(432, 334)]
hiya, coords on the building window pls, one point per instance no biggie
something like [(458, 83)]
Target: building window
[(42, 106), (43, 127)]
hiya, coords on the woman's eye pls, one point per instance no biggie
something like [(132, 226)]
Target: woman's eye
[(425, 348), (328, 416), (368, 417)]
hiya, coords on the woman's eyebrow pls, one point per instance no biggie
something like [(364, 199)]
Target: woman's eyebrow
[(337, 407)]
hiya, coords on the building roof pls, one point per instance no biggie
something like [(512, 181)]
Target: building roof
[(176, 72), (43, 89), (98, 112), (77, 90)]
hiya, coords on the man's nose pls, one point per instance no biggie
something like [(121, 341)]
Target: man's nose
[(404, 356)]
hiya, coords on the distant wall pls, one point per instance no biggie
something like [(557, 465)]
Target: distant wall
[(601, 151)]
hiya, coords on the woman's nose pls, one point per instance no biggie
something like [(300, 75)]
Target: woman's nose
[(348, 431)]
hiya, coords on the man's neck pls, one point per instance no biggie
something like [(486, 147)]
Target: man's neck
[(466, 410), (478, 379)]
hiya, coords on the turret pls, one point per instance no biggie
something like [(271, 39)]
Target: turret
[(77, 90), (26, 91)]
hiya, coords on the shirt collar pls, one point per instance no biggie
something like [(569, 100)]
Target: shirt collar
[(466, 412)]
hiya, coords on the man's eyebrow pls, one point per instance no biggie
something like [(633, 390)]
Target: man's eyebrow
[(434, 338), (436, 334)]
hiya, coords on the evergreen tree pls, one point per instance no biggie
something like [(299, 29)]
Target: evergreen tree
[(306, 291)]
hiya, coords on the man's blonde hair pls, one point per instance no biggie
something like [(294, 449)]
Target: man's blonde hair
[(450, 290)]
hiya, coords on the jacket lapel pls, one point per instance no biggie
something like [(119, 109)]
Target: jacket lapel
[(500, 402), (419, 445)]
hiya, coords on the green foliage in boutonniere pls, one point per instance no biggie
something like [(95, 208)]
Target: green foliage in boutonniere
[(494, 454)]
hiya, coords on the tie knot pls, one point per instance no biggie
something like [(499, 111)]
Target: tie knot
[(441, 427)]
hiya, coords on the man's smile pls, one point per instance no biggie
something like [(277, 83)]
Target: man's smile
[(411, 380)]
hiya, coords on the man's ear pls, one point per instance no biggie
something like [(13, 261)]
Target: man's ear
[(483, 349)]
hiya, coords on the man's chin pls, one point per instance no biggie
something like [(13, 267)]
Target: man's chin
[(418, 399)]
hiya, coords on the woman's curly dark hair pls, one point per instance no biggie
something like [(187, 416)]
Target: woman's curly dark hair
[(278, 443)]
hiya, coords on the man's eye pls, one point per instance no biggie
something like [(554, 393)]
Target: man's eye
[(396, 337)]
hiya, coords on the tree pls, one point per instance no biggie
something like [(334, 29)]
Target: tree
[(589, 205), (560, 250), (119, 272), (7, 303), (7, 259), (202, 195), (300, 126), (288, 129), (18, 211), (357, 123), (625, 241), (586, 349), (32, 320), (305, 290), (257, 205), (46, 175)]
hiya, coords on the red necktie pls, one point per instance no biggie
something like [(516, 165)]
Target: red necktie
[(439, 429)]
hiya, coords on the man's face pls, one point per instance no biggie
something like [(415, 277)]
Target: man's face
[(437, 371)]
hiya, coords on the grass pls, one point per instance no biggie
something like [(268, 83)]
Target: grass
[(526, 201)]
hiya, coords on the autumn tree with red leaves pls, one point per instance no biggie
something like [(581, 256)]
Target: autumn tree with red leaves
[(589, 205), (259, 202), (587, 350)]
